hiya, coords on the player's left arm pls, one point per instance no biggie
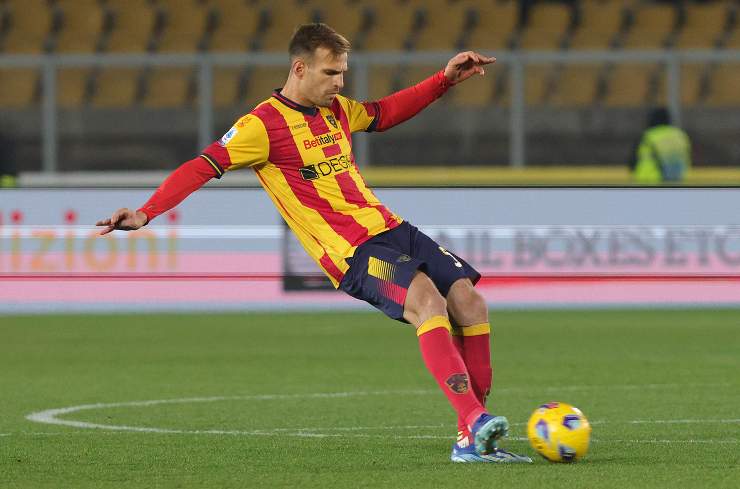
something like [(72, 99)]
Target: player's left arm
[(404, 104)]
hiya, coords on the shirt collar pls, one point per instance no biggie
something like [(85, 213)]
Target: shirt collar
[(293, 105)]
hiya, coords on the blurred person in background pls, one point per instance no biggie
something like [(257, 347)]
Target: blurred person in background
[(663, 154)]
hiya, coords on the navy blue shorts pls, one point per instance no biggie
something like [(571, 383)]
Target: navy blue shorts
[(382, 268)]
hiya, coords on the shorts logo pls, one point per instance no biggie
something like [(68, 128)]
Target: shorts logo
[(332, 120), (228, 137), (458, 383), (403, 259)]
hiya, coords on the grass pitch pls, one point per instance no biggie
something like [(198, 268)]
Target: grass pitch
[(343, 400)]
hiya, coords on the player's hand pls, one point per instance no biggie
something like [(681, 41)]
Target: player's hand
[(464, 65), (123, 219)]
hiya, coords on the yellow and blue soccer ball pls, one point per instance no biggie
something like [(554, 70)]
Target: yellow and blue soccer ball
[(559, 432)]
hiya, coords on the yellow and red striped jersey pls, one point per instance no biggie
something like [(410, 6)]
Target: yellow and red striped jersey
[(303, 159)]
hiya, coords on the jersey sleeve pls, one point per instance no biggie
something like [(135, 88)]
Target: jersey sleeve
[(361, 116), (245, 144)]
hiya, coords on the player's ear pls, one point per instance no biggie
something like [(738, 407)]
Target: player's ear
[(298, 67)]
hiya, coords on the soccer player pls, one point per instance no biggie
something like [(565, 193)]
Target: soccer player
[(299, 143)]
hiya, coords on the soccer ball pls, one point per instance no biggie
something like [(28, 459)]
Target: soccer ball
[(559, 432)]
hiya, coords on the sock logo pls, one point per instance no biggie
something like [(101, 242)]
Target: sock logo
[(458, 383)]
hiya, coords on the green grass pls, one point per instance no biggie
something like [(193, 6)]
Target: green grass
[(617, 366)]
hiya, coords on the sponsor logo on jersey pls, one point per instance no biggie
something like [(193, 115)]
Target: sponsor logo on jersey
[(228, 136), (299, 126), (322, 140), (325, 168)]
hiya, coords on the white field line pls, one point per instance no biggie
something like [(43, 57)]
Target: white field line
[(51, 416)]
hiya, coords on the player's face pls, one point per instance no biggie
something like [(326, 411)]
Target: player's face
[(324, 77)]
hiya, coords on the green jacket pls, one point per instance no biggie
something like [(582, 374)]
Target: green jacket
[(663, 155)]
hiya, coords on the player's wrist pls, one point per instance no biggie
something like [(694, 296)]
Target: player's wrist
[(142, 217)]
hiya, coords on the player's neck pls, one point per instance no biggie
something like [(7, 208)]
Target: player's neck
[(292, 92)]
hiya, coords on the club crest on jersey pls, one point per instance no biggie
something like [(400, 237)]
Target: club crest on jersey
[(332, 120), (458, 383), (227, 137)]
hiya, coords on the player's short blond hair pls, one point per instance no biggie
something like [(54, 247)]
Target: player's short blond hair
[(309, 37)]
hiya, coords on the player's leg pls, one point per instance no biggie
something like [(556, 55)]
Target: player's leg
[(471, 335), (454, 278), (426, 309)]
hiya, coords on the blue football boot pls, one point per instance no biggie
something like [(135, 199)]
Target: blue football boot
[(480, 445)]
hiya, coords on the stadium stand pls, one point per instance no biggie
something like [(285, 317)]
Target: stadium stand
[(504, 15), (548, 26), (18, 87), (629, 85), (577, 86), (235, 25), (282, 20), (653, 25), (705, 24), (73, 86), (599, 23), (186, 25), (116, 87), (135, 25), (168, 87), (30, 26), (170, 26), (724, 86), (395, 24), (444, 24), (83, 24), (354, 16)]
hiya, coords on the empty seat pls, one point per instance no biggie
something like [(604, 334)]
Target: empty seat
[(538, 83), (228, 86), (577, 85), (629, 85), (383, 80), (116, 88), (495, 26), (350, 17), (477, 91), (599, 25), (168, 88), (73, 86), (653, 26), (134, 23), (186, 22), (445, 22), (705, 24), (394, 23), (30, 26), (723, 86), (237, 25), (18, 87), (547, 26), (262, 81), (284, 17), (82, 26)]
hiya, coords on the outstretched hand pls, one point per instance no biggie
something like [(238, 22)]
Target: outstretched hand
[(123, 219), (464, 65)]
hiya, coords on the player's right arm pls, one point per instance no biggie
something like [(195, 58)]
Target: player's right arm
[(244, 145)]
